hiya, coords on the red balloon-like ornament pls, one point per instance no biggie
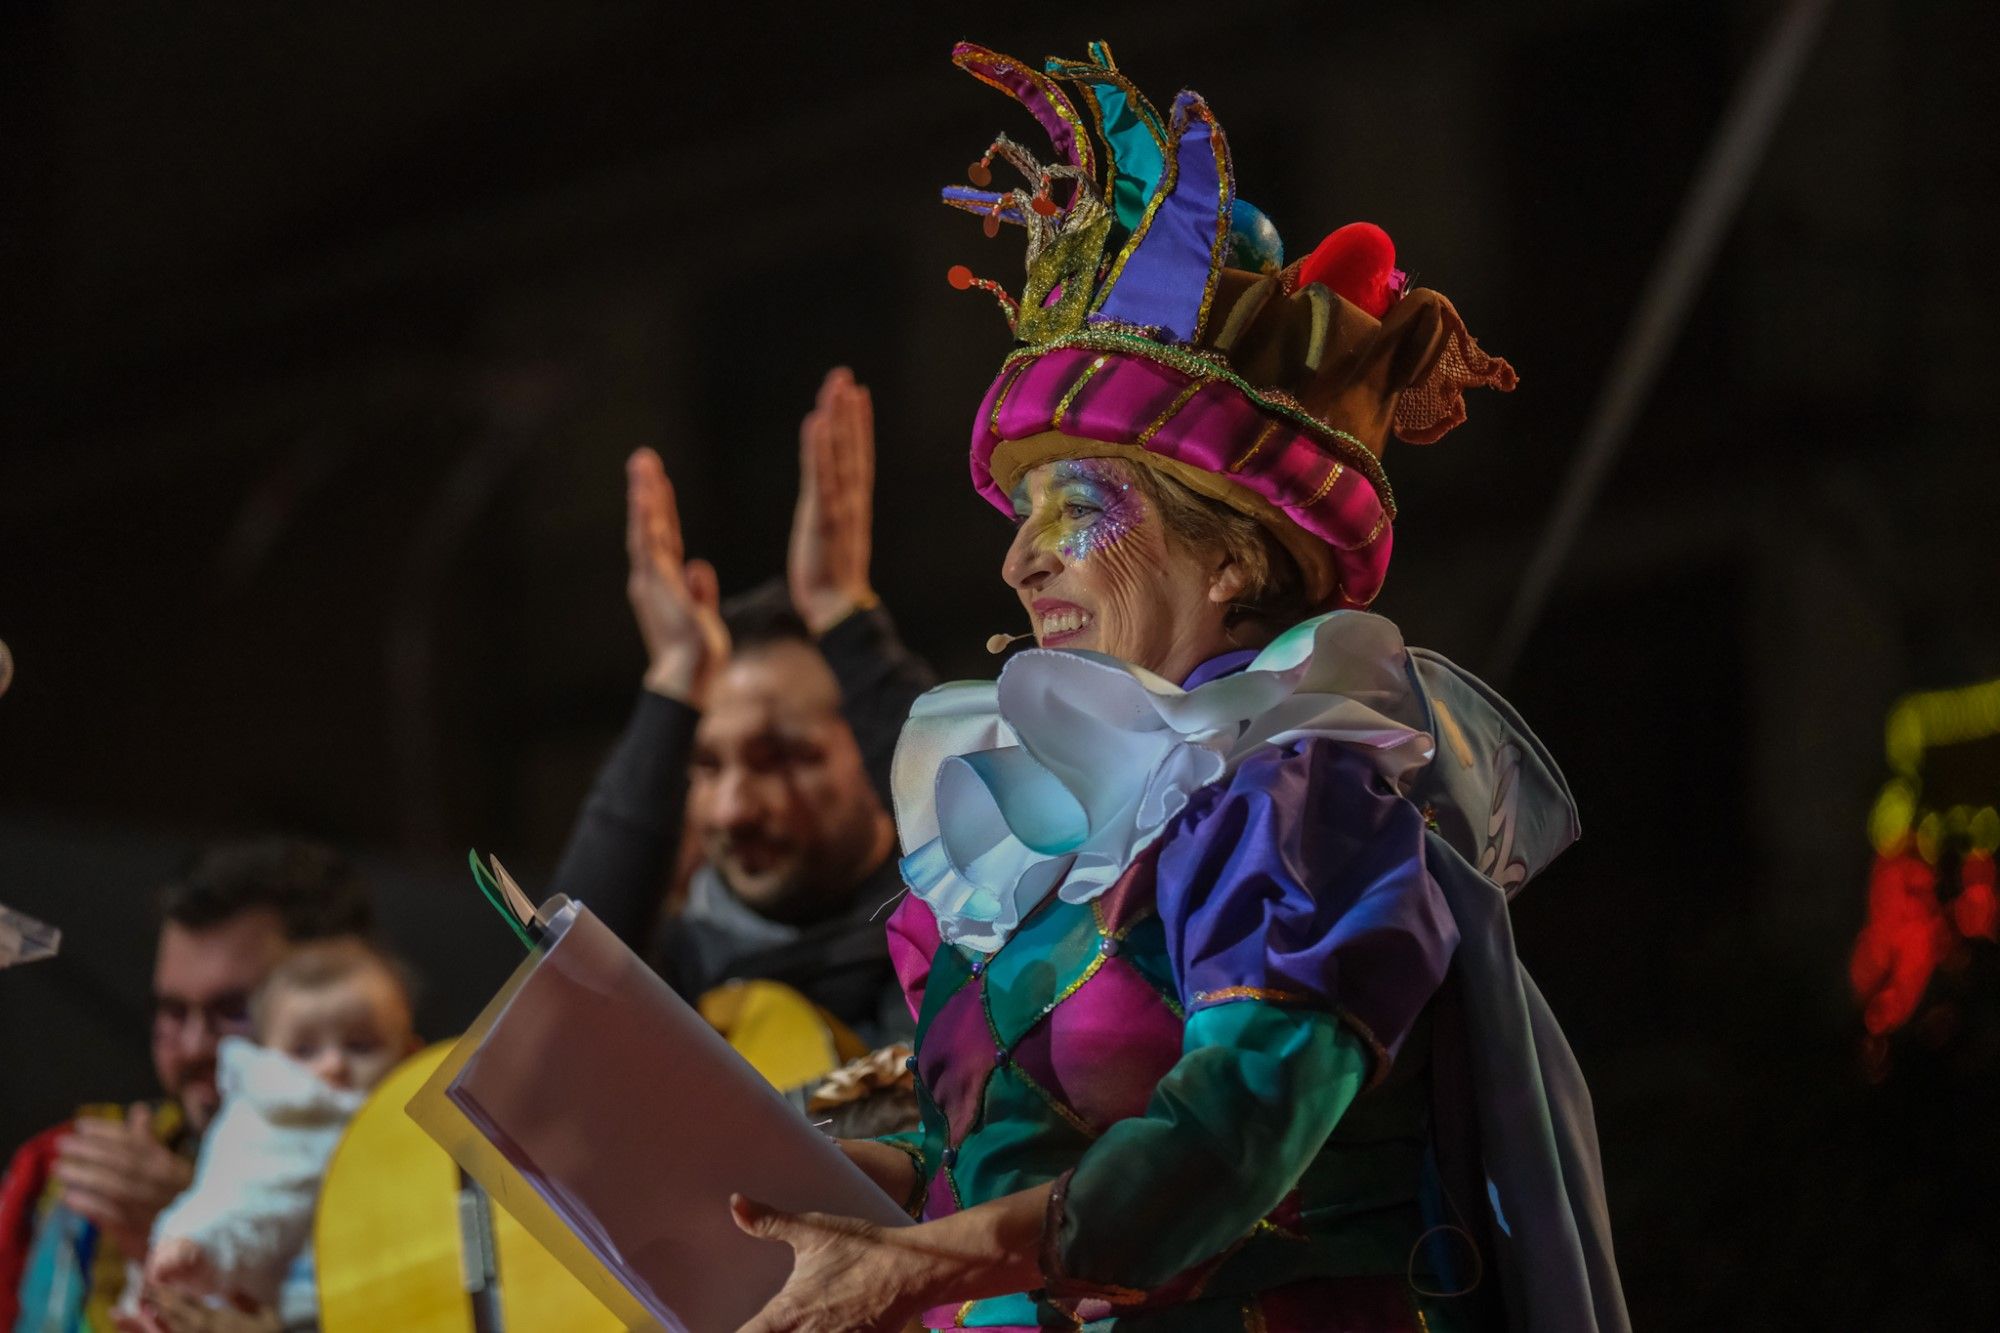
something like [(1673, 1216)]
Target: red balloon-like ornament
[(1359, 263)]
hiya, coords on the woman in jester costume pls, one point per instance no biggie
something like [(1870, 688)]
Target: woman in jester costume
[(1220, 1024)]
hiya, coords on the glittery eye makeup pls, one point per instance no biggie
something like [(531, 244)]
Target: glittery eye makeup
[(1093, 507)]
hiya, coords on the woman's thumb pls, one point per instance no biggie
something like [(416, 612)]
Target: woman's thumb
[(758, 1219)]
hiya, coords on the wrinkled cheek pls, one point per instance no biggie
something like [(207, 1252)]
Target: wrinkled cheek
[(1127, 578)]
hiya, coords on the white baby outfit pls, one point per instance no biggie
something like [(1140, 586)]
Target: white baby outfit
[(251, 1205)]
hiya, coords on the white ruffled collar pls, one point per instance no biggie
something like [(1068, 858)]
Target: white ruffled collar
[(1060, 773)]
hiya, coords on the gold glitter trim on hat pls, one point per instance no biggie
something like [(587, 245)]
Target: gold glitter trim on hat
[(1326, 486), (1269, 428), (1365, 542), (1182, 399), (1170, 170), (1082, 74), (1000, 399), (1218, 250), (1109, 338), (1058, 100), (1075, 388)]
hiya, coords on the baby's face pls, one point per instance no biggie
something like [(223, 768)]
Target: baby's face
[(350, 1033)]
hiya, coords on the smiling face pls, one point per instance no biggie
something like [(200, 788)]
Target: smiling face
[(1096, 567), (778, 794)]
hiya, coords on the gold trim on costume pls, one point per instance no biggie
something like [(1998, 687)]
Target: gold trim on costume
[(1269, 1228), (1326, 487), (1181, 399), (1269, 993), (1218, 251), (1067, 1114), (1076, 387), (1188, 361), (1269, 428), (1381, 522), (1000, 401)]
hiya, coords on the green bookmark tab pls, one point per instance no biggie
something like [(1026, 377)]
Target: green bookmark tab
[(491, 888)]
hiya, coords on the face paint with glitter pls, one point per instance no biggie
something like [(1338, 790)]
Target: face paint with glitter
[(1092, 507), (1096, 569)]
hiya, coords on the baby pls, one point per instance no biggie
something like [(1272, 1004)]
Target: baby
[(331, 1022)]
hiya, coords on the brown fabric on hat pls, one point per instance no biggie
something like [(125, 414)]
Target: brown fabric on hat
[(1347, 368), (1435, 403)]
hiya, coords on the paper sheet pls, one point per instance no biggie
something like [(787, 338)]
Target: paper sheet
[(597, 1107)]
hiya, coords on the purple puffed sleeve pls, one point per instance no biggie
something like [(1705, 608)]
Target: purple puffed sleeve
[(1300, 879)]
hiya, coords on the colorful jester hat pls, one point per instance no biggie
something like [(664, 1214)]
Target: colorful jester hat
[(1159, 323)]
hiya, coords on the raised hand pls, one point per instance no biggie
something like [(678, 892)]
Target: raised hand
[(676, 601), (116, 1174), (832, 527)]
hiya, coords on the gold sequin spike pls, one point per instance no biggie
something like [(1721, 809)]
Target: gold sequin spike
[(1181, 400), (1075, 388), (1325, 486), (1270, 429)]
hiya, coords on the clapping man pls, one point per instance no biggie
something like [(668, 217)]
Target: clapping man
[(765, 730)]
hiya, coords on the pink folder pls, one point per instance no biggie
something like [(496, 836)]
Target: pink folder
[(598, 1108)]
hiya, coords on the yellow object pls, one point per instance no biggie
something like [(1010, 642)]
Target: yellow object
[(386, 1237), (1919, 723), (783, 1035)]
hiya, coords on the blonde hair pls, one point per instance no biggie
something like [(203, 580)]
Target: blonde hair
[(1275, 596)]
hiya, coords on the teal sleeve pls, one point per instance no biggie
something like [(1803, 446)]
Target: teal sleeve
[(911, 1143), (1227, 1134)]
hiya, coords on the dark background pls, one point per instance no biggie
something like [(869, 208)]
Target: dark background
[(327, 328)]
